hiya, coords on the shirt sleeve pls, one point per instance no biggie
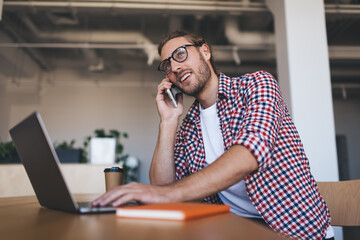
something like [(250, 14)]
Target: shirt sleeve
[(261, 121), (180, 157)]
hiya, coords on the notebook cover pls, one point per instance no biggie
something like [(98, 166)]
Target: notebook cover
[(171, 211)]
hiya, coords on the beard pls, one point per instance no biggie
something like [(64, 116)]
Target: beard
[(202, 76)]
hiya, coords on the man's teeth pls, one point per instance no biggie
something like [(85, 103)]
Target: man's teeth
[(185, 77)]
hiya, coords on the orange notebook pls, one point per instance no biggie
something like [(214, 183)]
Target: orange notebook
[(171, 211)]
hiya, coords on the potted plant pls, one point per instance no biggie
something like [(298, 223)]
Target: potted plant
[(112, 133), (120, 158), (67, 153), (8, 153)]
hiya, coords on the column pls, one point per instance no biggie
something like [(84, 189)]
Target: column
[(304, 77)]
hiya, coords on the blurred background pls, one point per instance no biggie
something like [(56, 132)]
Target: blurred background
[(86, 65)]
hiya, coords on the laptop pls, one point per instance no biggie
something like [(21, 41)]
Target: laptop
[(42, 166)]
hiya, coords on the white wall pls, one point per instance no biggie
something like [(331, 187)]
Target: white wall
[(14, 65), (74, 108)]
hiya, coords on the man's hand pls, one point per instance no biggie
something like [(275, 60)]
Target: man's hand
[(134, 192), (230, 168), (162, 170), (165, 107)]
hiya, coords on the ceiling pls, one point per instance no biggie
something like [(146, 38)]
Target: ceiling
[(109, 37)]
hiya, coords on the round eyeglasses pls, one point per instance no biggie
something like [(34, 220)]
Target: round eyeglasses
[(179, 55)]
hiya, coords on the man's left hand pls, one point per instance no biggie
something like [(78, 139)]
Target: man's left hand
[(134, 192)]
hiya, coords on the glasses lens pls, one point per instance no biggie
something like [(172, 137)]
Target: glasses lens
[(180, 54), (165, 66)]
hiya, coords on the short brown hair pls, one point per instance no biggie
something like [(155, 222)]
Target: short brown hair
[(193, 38)]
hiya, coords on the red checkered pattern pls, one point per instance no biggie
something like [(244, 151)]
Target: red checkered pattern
[(253, 113)]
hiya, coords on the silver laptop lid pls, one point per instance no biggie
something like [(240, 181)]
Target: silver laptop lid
[(41, 163)]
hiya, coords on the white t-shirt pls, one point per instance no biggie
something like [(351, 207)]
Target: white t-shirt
[(236, 195)]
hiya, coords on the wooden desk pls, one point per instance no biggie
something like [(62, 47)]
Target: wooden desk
[(23, 218)]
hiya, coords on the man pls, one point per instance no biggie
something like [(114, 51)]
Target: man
[(237, 145)]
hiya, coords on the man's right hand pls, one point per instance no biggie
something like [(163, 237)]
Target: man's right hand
[(162, 170), (166, 109)]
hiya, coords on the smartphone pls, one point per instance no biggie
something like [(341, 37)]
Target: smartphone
[(172, 94)]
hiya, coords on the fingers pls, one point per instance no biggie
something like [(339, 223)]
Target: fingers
[(165, 106), (126, 198), (120, 195), (131, 192), (162, 99), (116, 193), (164, 84)]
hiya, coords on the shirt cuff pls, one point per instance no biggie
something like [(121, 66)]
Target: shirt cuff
[(258, 147)]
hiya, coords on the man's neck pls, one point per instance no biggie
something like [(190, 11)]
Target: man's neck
[(208, 96)]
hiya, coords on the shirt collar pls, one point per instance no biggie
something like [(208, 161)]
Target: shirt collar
[(224, 90), (194, 111), (224, 85)]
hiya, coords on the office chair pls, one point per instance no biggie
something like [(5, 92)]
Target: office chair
[(343, 201)]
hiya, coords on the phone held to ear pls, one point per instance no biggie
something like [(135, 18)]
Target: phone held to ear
[(172, 94)]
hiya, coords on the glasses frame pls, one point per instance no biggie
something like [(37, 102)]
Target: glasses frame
[(172, 57)]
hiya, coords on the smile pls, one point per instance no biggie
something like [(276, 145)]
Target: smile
[(185, 77)]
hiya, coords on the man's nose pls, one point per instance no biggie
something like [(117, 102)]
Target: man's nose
[(175, 66)]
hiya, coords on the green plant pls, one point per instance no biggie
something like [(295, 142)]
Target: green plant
[(112, 133), (7, 149), (65, 145)]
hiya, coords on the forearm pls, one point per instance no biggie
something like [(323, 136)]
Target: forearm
[(162, 169), (227, 170), (230, 168)]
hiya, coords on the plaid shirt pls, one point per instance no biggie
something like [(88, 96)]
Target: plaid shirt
[(253, 114)]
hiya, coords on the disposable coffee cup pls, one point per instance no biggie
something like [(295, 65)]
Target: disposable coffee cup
[(113, 177)]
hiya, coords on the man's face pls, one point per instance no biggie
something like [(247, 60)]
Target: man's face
[(191, 75)]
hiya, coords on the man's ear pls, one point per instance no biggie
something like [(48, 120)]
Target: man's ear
[(205, 50)]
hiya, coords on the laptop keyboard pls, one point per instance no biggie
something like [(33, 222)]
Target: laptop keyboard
[(88, 204)]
